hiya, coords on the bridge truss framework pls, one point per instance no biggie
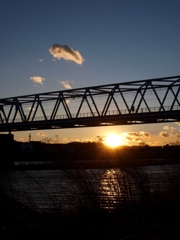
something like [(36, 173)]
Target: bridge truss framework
[(136, 102)]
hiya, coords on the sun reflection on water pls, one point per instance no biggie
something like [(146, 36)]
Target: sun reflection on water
[(112, 188)]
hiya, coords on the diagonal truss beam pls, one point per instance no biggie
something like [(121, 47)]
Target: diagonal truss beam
[(142, 101)]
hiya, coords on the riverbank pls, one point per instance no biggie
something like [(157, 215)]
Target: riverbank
[(87, 155), (53, 165)]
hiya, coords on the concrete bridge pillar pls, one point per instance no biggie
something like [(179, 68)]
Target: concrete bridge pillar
[(6, 151)]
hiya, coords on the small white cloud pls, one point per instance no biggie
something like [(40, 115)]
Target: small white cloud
[(172, 129), (63, 51), (40, 60), (66, 84), (37, 79)]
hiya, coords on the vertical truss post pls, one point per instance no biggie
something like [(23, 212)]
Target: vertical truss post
[(160, 103), (175, 98), (9, 114), (93, 102), (107, 104), (124, 100), (56, 107), (84, 96), (31, 109), (142, 97), (18, 108), (66, 108), (109, 100), (4, 114)]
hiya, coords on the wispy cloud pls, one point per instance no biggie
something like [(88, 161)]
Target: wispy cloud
[(67, 140), (41, 134), (133, 134), (66, 84), (41, 60), (145, 134), (22, 139), (164, 134), (63, 51), (139, 134), (172, 129), (37, 79), (138, 137), (29, 108)]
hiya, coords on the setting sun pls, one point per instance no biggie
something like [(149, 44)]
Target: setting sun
[(113, 140)]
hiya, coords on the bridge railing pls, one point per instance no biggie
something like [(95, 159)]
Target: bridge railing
[(95, 114)]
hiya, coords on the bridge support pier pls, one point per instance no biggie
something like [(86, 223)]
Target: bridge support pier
[(6, 151)]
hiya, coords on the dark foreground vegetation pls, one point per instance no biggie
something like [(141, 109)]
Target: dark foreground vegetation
[(153, 214)]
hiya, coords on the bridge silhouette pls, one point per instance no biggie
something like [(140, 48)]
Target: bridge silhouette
[(136, 102)]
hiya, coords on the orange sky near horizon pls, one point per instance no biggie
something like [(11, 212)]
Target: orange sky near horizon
[(151, 134)]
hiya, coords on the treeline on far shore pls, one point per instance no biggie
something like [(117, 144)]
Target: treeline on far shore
[(95, 152)]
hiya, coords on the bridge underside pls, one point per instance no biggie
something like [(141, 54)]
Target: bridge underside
[(111, 120)]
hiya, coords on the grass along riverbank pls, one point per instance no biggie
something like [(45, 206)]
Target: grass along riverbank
[(154, 214)]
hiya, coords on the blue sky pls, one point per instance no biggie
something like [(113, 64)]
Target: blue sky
[(113, 40)]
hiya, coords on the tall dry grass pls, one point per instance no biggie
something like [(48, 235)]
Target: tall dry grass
[(111, 188), (140, 206), (123, 203)]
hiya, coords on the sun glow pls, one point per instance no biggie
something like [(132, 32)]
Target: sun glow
[(113, 140)]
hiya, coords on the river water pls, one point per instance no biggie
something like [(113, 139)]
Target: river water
[(67, 190)]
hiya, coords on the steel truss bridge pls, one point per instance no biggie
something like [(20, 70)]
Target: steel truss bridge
[(136, 102)]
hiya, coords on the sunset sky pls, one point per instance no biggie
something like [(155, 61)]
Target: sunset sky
[(55, 45)]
